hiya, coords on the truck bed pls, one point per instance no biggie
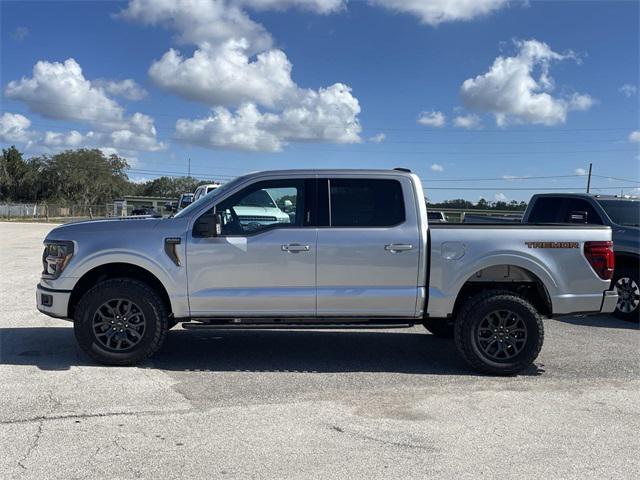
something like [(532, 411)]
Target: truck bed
[(552, 254)]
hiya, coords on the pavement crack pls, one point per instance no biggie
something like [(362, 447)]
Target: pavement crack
[(55, 403), (81, 416), (32, 447), (381, 441)]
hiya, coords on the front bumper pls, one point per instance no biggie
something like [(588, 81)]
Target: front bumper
[(54, 303)]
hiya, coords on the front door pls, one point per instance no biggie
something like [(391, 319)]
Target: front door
[(368, 254), (264, 262)]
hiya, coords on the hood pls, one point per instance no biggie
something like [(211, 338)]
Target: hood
[(108, 226)]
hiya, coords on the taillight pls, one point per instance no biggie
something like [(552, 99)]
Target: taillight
[(601, 258)]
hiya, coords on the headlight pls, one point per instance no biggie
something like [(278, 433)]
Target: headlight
[(55, 257)]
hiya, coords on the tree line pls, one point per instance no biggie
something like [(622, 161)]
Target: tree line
[(89, 177), (482, 204), (78, 177)]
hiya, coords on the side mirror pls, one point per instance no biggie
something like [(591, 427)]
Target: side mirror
[(578, 217), (208, 225)]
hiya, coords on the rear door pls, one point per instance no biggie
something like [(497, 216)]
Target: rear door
[(368, 249)]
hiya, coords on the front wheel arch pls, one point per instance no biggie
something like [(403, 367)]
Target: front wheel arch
[(116, 270)]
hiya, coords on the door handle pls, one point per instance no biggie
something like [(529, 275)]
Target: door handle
[(398, 247), (295, 247)]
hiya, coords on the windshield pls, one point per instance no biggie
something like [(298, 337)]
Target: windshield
[(214, 193), (259, 198), (622, 212)]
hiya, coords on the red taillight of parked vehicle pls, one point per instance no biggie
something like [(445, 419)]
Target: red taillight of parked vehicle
[(601, 258)]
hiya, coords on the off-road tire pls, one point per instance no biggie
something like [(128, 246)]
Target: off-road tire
[(474, 311), (155, 317), (632, 274), (440, 327)]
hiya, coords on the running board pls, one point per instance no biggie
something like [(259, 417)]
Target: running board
[(293, 326)]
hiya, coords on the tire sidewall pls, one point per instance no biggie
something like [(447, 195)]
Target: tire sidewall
[(633, 275), (528, 316), (83, 323)]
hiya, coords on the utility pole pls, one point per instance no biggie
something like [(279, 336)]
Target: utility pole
[(189, 170), (589, 178)]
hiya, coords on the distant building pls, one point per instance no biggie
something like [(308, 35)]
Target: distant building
[(126, 205)]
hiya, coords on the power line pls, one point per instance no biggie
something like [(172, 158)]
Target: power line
[(614, 178), (523, 142), (180, 173), (492, 187), (522, 188), (509, 179), (519, 152)]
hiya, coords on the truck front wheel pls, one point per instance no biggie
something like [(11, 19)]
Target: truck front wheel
[(499, 332), (120, 322)]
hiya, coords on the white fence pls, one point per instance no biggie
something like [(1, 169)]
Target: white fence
[(46, 212)]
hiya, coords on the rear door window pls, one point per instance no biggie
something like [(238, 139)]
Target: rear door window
[(365, 202)]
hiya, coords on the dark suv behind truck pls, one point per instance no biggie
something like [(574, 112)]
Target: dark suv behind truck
[(622, 214)]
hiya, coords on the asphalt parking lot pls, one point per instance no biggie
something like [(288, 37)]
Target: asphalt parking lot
[(318, 404)]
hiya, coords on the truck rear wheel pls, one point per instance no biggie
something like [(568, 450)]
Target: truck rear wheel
[(440, 327), (120, 322), (499, 333), (626, 282)]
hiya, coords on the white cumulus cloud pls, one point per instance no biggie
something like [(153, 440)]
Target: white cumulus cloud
[(435, 12), (237, 72), (200, 22), (127, 88), (432, 118), (500, 197), (378, 138), (316, 6), (329, 115), (628, 90), (14, 128), (580, 171), (634, 136), (436, 167), (512, 91), (72, 139), (469, 121), (226, 75), (61, 91)]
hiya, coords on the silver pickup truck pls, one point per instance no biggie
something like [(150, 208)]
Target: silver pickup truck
[(357, 252)]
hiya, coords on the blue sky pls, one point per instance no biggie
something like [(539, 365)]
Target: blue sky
[(391, 63)]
